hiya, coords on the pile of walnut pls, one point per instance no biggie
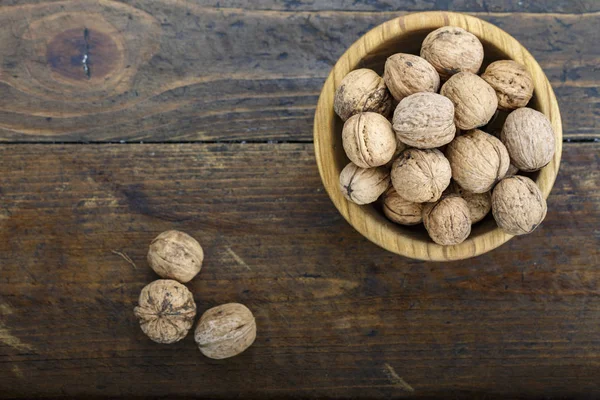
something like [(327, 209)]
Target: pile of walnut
[(430, 163), (167, 310)]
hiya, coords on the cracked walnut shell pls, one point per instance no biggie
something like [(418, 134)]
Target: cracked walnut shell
[(406, 74), (518, 205), (425, 120), (511, 81), (175, 255), (362, 90), (368, 139), (451, 50), (363, 185), (421, 175), (166, 311), (478, 160), (401, 211), (474, 100), (529, 139), (225, 331), (448, 221)]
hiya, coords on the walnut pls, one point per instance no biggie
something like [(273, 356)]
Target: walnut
[(421, 175), (401, 211), (478, 160), (225, 331), (166, 311), (475, 101), (518, 205), (529, 139), (363, 185), (175, 255), (511, 81), (512, 170), (448, 221), (406, 74), (479, 204), (360, 91), (400, 147), (369, 140), (425, 120), (452, 50)]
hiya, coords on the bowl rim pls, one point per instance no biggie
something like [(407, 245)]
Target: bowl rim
[(383, 232)]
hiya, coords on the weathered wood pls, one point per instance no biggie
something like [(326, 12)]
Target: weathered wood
[(171, 70), (337, 316), (535, 6)]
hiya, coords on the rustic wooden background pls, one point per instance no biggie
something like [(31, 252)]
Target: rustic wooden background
[(197, 115)]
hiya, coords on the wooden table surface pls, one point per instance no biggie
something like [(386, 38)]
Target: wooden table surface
[(119, 120)]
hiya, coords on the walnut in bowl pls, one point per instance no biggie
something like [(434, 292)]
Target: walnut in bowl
[(407, 34)]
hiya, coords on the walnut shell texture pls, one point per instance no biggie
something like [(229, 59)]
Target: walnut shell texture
[(401, 211), (512, 170), (421, 175), (166, 311), (406, 74), (363, 185), (176, 255), (511, 81), (400, 147), (452, 50), (518, 205), (425, 120), (225, 331), (478, 160), (448, 221), (369, 140), (529, 139), (362, 90), (480, 204), (475, 101)]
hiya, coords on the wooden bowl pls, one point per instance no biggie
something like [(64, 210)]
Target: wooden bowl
[(405, 35)]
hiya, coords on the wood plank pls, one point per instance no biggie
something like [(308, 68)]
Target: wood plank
[(532, 6), (170, 70), (337, 316), (535, 6)]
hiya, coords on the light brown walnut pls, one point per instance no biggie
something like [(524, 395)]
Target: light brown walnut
[(452, 50), (363, 185), (479, 204), (425, 120), (518, 205), (447, 221), (475, 101), (362, 90), (368, 139), (529, 139), (478, 160), (421, 175), (401, 211), (406, 74), (175, 255), (511, 81), (166, 311), (512, 170), (225, 331)]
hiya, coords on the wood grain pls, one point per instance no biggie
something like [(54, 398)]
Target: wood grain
[(534, 6), (371, 51), (334, 312), (167, 70), (337, 316)]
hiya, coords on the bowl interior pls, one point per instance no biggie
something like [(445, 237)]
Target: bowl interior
[(371, 52)]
